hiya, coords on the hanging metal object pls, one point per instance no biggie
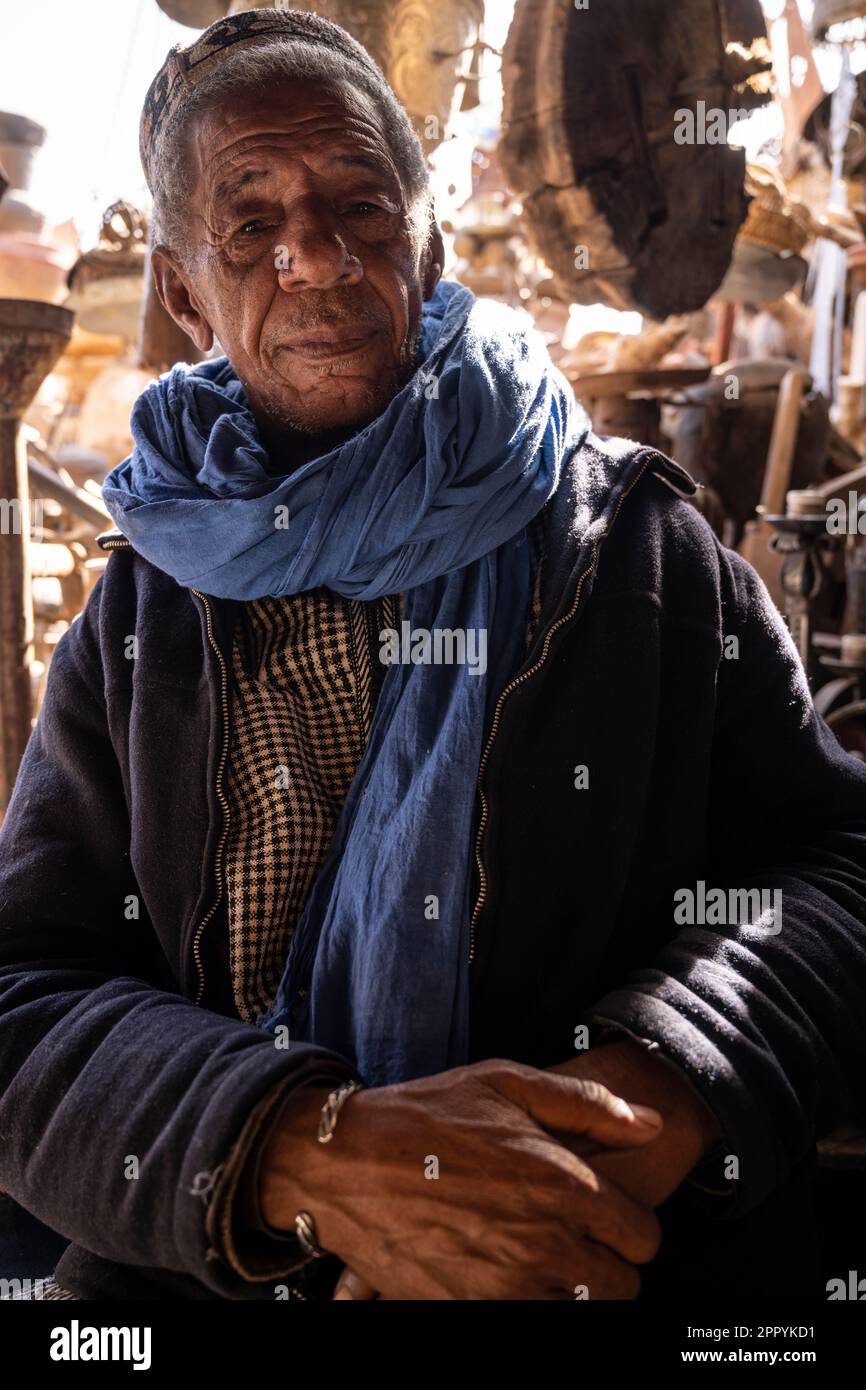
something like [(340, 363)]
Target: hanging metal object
[(106, 281), (828, 264)]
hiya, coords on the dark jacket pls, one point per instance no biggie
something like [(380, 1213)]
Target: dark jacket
[(115, 1058)]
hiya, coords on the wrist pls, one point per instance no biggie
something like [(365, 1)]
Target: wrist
[(649, 1078), (291, 1159)]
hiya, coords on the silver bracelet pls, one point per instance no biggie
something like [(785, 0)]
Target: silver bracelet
[(305, 1226), (332, 1107), (305, 1230)]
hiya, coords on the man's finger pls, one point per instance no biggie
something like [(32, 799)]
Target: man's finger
[(616, 1220), (599, 1274), (576, 1106), (351, 1285)]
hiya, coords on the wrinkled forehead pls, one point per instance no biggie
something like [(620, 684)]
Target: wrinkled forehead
[(244, 135), (185, 69)]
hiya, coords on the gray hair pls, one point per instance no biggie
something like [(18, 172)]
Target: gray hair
[(279, 60)]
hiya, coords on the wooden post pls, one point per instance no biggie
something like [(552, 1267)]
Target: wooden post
[(32, 337), (755, 544), (783, 442), (16, 608)]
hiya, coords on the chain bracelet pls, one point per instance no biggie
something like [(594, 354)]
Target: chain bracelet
[(305, 1230), (305, 1226), (332, 1107)]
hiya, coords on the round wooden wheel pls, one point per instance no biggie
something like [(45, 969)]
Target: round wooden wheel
[(198, 14), (618, 207)]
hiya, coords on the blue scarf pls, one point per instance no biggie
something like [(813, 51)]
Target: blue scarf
[(430, 500)]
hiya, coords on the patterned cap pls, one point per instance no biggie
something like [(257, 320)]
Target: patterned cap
[(184, 68)]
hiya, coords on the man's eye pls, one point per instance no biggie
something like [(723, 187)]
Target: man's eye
[(374, 207), (252, 227)]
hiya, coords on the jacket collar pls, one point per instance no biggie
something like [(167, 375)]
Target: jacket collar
[(595, 483)]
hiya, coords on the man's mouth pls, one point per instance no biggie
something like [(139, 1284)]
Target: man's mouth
[(327, 344)]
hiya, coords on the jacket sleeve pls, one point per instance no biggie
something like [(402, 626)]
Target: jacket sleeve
[(767, 1017), (122, 1104)]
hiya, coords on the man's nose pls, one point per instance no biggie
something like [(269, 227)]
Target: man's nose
[(316, 256)]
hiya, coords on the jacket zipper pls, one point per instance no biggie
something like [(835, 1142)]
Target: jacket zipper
[(220, 795), (500, 704), (375, 624), (121, 543), (372, 613)]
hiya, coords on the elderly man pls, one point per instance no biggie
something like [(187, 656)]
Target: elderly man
[(428, 860)]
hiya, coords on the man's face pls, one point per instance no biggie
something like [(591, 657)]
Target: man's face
[(303, 263)]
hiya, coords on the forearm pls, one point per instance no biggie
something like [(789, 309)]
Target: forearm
[(690, 1131), (649, 1173), (406, 1237), (120, 1105), (291, 1149)]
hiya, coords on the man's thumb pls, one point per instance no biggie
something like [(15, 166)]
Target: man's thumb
[(577, 1106), (351, 1285)]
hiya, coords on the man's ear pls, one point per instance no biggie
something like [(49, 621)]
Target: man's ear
[(433, 259), (173, 288)]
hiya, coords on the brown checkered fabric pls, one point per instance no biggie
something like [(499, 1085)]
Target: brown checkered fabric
[(303, 701), (306, 677)]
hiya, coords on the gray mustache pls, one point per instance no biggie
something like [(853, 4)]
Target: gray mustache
[(335, 308)]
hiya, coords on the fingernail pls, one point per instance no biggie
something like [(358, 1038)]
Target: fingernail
[(645, 1116)]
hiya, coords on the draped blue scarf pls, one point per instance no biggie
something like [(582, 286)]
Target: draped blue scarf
[(430, 500)]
